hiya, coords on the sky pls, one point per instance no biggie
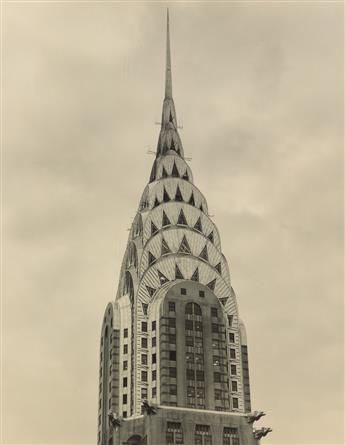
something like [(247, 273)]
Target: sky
[(258, 89)]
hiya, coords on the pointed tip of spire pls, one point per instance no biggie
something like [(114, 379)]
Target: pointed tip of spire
[(168, 79)]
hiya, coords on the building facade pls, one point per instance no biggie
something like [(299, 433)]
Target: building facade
[(173, 353)]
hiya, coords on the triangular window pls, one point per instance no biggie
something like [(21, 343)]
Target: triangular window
[(184, 246), (165, 220), (197, 225), (171, 119), (223, 300), (156, 202), (172, 145), (162, 278), (204, 254), (150, 290), (164, 173), (153, 228), (185, 176), (175, 173), (191, 200), (212, 284), (145, 306), (166, 197), (178, 273), (201, 208), (152, 258), (165, 248), (182, 219), (178, 196), (218, 268), (211, 237), (153, 172), (195, 276)]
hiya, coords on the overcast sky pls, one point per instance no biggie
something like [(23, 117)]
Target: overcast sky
[(258, 89)]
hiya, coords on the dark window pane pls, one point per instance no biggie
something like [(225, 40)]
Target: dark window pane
[(189, 341), (172, 372), (189, 325)]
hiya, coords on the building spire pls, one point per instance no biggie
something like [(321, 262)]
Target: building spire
[(169, 139), (168, 79)]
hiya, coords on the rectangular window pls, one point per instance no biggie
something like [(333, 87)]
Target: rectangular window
[(124, 414), (154, 358), (172, 322), (233, 386), (189, 325), (199, 359), (198, 326), (173, 390), (154, 375), (215, 327), (235, 402), (144, 376), (125, 365), (172, 339), (183, 291), (218, 394), (145, 306), (125, 349), (154, 391), (201, 293), (232, 337), (232, 353), (233, 369), (125, 333), (144, 326), (230, 318), (144, 359), (153, 326), (200, 393), (189, 340), (144, 342), (172, 372), (190, 391), (171, 306), (189, 357), (216, 377), (198, 342), (230, 436), (124, 382), (172, 355), (202, 435), (154, 342), (124, 399), (174, 434), (214, 312), (200, 375), (190, 374), (216, 360), (144, 393)]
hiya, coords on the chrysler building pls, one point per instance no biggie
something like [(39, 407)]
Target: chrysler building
[(173, 350)]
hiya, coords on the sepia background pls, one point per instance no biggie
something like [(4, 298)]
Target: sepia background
[(258, 88)]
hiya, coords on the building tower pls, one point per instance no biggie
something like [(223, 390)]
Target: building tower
[(173, 353)]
